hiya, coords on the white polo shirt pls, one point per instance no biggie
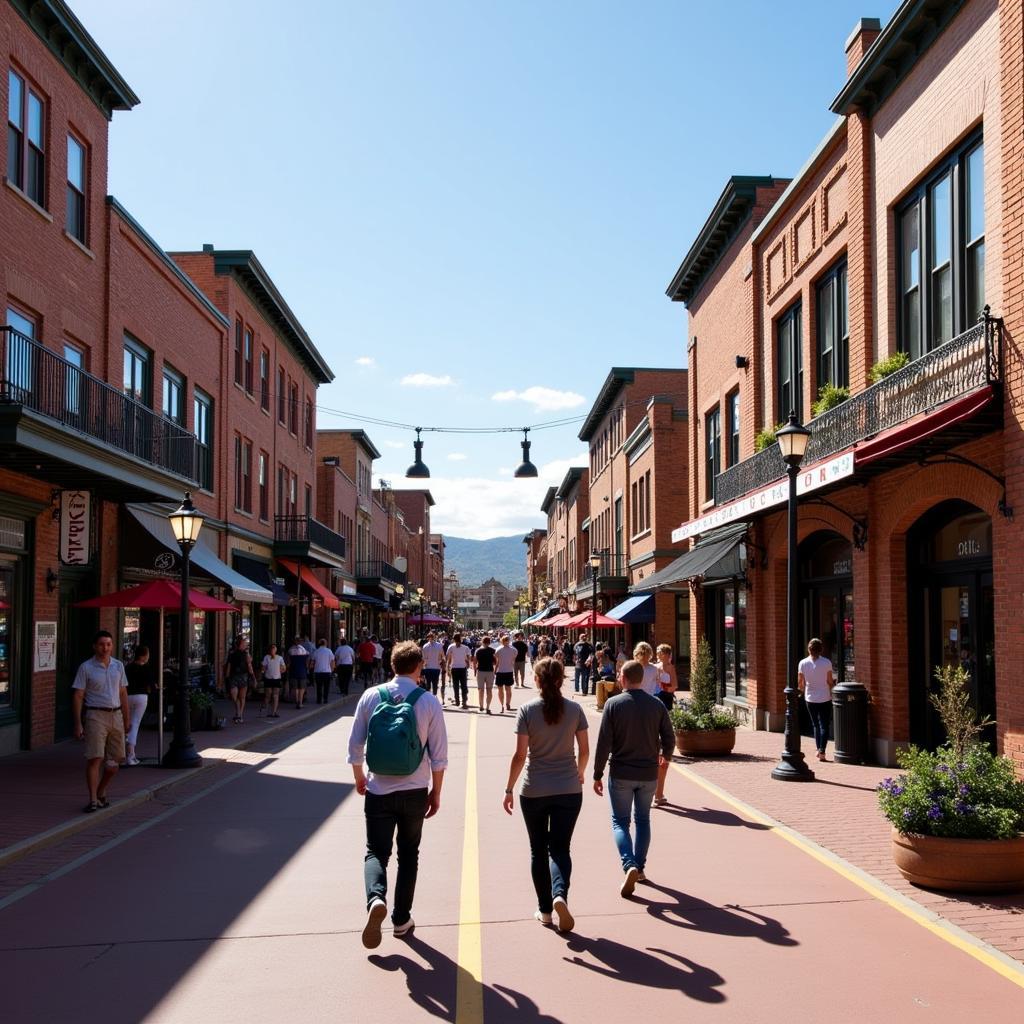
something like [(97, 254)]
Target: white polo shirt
[(815, 672), (323, 660)]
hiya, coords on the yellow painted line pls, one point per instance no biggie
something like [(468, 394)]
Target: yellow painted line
[(945, 930), (469, 991)]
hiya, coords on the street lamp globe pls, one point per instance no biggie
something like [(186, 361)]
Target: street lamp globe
[(186, 522), (595, 562), (793, 438)]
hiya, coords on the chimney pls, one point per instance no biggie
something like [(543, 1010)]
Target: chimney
[(864, 33), (207, 247)]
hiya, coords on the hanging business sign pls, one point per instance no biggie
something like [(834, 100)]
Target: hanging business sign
[(811, 479), (74, 527)]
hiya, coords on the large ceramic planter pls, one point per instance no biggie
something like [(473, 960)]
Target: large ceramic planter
[(960, 865), (705, 742)]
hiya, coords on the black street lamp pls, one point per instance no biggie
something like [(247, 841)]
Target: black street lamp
[(595, 568), (186, 523), (419, 594), (792, 767)]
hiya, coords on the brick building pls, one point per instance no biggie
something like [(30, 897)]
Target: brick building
[(901, 229), (536, 542)]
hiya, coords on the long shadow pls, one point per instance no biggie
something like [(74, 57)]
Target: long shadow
[(733, 758), (641, 967), (434, 987), (694, 914), (708, 816), (130, 924), (844, 785)]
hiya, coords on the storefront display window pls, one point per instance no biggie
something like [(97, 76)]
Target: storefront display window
[(726, 618), (6, 631), (683, 636)]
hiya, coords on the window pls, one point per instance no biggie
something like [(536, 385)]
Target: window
[(20, 351), (247, 359), (136, 371), (265, 380), (941, 271), (732, 404), (293, 409), (282, 489), (26, 125), (202, 426), (243, 474), (75, 359), (174, 396), (238, 471), (309, 500), (75, 222), (264, 485), (641, 500), (713, 450), (309, 423), (281, 396), (790, 362), (293, 484), (833, 329), (238, 351)]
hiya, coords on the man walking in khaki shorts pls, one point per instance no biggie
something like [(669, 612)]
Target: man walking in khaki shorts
[(101, 695)]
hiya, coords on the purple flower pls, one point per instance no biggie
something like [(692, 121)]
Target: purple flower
[(908, 814), (963, 808), (965, 790), (945, 769), (934, 812)]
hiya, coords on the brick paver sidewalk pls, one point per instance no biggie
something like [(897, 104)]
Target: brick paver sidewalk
[(42, 792)]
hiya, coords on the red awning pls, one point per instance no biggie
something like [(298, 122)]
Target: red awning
[(584, 619), (307, 577), (889, 442)]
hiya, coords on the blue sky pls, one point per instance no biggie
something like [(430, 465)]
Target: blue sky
[(465, 199)]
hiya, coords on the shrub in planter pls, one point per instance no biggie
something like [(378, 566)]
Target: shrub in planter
[(699, 725), (201, 704), (766, 438), (884, 367), (828, 398)]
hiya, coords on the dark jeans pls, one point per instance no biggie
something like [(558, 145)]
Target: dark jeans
[(431, 677), (550, 821), (403, 811), (344, 677), (460, 684), (365, 673), (323, 686), (582, 681), (821, 719)]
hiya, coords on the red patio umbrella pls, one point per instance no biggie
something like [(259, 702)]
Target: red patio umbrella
[(4, 606), (161, 595), (556, 621), (585, 619)]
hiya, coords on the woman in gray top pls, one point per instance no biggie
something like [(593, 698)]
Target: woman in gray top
[(552, 743)]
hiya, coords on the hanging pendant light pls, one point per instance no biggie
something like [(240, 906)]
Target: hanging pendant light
[(418, 470), (526, 468)]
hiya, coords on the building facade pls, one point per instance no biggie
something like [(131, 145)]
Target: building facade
[(878, 296)]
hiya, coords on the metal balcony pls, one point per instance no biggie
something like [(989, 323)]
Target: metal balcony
[(307, 538), (961, 365), (376, 570)]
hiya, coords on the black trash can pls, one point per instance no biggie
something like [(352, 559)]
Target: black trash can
[(850, 723)]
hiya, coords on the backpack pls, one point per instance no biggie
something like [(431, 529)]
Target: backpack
[(393, 745)]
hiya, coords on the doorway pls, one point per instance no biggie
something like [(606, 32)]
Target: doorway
[(76, 628)]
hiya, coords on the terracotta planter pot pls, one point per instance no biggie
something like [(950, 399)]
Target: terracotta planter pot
[(705, 742), (960, 865)]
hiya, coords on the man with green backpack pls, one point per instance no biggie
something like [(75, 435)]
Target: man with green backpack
[(399, 734)]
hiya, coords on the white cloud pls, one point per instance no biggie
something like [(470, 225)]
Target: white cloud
[(426, 380), (395, 444), (542, 399), (366, 361), (457, 456)]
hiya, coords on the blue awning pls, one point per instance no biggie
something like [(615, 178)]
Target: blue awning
[(373, 602), (634, 610), (259, 572)]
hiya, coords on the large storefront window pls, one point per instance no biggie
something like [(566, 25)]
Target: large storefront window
[(683, 636), (6, 630), (726, 622), (826, 586)]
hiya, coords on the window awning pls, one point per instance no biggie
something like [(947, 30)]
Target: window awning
[(374, 602), (702, 561), (241, 587), (259, 573), (307, 577), (634, 610)]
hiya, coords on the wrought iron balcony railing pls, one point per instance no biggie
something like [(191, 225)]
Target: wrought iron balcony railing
[(611, 565), (35, 378), (308, 529), (378, 569), (958, 367)]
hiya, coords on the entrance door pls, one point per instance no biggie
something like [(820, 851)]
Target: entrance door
[(76, 628)]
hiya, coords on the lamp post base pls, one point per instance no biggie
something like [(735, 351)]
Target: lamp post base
[(184, 756), (792, 768)]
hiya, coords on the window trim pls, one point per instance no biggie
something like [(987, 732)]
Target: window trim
[(840, 358), (171, 376), (81, 195), (282, 396), (140, 352), (238, 352), (205, 468), (265, 379), (794, 314), (712, 456), (20, 178), (732, 402), (248, 350)]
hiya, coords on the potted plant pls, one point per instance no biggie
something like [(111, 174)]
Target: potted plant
[(702, 730), (766, 438), (200, 703), (885, 367), (958, 813), (828, 398)]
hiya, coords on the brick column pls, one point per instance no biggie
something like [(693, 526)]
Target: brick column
[(859, 257)]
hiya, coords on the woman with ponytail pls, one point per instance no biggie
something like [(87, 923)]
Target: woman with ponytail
[(552, 744)]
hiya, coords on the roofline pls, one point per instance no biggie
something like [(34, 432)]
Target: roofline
[(415, 490), (548, 498), (67, 39), (618, 377), (248, 268), (571, 478), (738, 197), (821, 150), (897, 48), (168, 263)]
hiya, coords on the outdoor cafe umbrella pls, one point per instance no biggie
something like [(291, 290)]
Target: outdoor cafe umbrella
[(430, 620), (558, 621), (162, 595), (585, 619)]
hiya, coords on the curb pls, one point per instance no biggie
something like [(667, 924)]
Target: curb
[(79, 823)]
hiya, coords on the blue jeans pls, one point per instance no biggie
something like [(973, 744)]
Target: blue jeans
[(582, 679), (550, 821), (631, 798), (821, 719)]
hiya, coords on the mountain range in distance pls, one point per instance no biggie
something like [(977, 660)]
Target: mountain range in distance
[(474, 561)]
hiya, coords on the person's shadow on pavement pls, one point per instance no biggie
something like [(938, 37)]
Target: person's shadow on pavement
[(640, 967), (709, 816), (434, 987), (685, 911)]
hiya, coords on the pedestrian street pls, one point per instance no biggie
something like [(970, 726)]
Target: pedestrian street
[(246, 904)]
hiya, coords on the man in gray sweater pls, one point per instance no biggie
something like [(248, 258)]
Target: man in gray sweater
[(637, 735)]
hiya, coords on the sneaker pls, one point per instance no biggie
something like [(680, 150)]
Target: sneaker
[(660, 801), (566, 922), (629, 882), (133, 761), (641, 877), (402, 930), (371, 930), (539, 915)]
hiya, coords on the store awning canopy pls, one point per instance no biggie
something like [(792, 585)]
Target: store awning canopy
[(242, 588), (306, 575), (374, 602), (558, 621), (713, 558), (259, 573), (634, 610), (584, 620)]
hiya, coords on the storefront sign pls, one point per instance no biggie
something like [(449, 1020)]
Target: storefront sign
[(348, 588), (46, 647), (74, 527), (811, 479)]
